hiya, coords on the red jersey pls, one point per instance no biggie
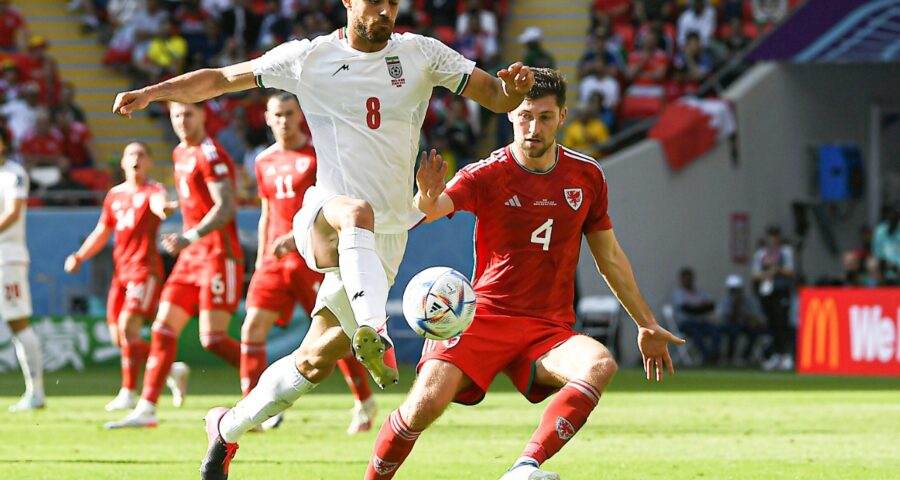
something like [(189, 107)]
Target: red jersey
[(528, 229), (658, 62), (11, 21), (127, 212), (76, 142), (52, 143), (194, 167), (283, 177)]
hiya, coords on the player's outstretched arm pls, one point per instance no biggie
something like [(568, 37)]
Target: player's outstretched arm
[(223, 211), (502, 94), (430, 178), (191, 87), (161, 206), (90, 247), (653, 340)]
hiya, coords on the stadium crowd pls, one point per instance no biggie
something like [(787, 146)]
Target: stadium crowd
[(640, 55)]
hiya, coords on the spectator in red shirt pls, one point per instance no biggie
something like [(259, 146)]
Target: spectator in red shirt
[(648, 64), (619, 11), (13, 29), (78, 144), (43, 145)]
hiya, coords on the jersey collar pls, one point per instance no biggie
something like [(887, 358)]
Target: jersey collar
[(509, 151)]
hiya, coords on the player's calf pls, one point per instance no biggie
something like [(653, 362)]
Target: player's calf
[(434, 389)]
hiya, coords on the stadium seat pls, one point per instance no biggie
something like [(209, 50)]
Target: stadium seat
[(598, 317)]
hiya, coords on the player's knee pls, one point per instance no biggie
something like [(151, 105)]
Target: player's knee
[(358, 214), (602, 368), (421, 412), (254, 330)]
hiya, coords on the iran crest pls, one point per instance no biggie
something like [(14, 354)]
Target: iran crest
[(573, 197)]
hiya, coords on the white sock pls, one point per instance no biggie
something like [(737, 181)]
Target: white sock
[(28, 351), (363, 275), (527, 461), (279, 387)]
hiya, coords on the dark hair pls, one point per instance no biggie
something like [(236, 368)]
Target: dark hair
[(201, 104), (4, 136), (548, 81), (686, 271), (142, 144), (283, 96), (692, 35)]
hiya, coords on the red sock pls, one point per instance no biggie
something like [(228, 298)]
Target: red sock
[(562, 419), (253, 362), (355, 375), (222, 346), (395, 441), (163, 347), (134, 355)]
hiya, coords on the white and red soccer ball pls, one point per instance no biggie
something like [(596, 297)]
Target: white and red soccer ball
[(439, 303)]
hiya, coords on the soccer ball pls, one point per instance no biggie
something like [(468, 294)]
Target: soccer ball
[(439, 303)]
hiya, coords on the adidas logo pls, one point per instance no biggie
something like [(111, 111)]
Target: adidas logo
[(513, 202)]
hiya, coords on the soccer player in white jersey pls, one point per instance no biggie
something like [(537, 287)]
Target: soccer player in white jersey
[(364, 91), (15, 301)]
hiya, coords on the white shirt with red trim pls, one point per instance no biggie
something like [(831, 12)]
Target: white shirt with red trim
[(365, 112), (13, 187)]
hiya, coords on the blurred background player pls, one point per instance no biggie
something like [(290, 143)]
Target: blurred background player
[(527, 253), (366, 93), (283, 172), (15, 302), (132, 212), (208, 276)]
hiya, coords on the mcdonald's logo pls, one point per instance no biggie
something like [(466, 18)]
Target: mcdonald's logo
[(820, 334)]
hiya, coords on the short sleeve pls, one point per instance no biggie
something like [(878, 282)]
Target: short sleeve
[(22, 184), (214, 164), (106, 216), (598, 216), (449, 68), (280, 67), (463, 190)]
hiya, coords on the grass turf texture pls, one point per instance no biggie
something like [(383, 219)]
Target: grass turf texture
[(697, 425)]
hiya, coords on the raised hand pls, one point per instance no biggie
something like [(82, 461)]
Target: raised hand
[(654, 345), (518, 78), (128, 102), (431, 175)]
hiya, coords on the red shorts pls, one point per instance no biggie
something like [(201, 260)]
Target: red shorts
[(205, 283), (497, 343), (280, 284), (135, 295)]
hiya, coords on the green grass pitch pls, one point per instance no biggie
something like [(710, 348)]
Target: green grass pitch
[(697, 425)]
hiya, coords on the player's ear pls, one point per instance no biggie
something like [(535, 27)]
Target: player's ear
[(563, 114)]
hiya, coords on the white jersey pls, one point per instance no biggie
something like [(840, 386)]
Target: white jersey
[(365, 111), (13, 187)]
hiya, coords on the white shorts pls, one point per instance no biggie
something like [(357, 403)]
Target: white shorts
[(15, 299), (389, 247)]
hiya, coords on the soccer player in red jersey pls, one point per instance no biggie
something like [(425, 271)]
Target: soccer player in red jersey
[(534, 199), (131, 212), (208, 276), (283, 173)]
